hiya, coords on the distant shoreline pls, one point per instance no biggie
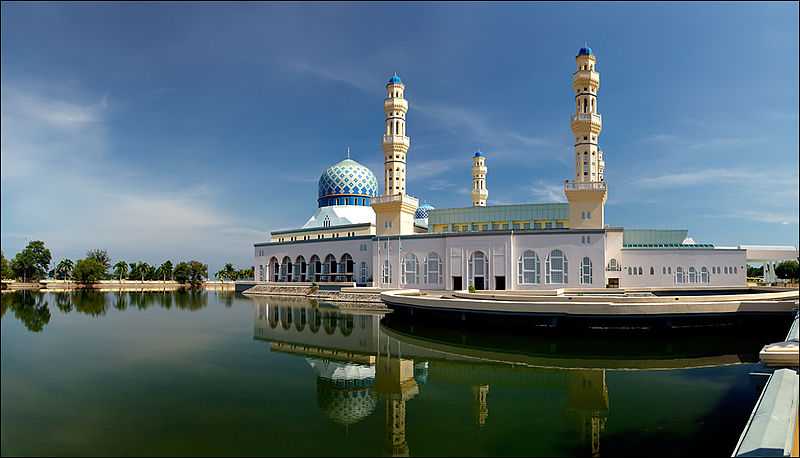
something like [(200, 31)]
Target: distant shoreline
[(113, 285)]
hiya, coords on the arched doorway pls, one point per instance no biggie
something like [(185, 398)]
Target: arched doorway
[(479, 270)]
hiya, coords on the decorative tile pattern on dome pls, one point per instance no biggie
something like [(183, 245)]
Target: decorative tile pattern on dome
[(422, 211), (347, 178)]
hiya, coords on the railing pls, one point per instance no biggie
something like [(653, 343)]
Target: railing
[(394, 198), (585, 186), (587, 117), (392, 139)]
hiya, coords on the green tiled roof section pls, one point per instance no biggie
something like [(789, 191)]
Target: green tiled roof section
[(668, 246), (632, 237), (518, 212)]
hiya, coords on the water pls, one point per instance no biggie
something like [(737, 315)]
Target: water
[(204, 373)]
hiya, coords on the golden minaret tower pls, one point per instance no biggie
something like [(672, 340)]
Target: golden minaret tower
[(394, 210), (479, 190), (587, 193)]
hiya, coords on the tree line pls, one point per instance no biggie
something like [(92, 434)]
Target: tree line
[(34, 263)]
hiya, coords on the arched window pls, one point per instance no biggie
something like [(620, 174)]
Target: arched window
[(725, 269), (586, 271), (640, 271), (433, 269), (692, 275), (286, 269), (663, 271), (679, 275), (528, 269), (346, 267), (652, 270), (556, 268), (410, 270), (386, 272), (364, 273), (629, 271), (613, 265), (326, 222), (329, 267), (478, 270), (314, 268), (704, 275), (300, 269)]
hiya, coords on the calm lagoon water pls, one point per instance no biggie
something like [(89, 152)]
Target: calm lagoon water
[(205, 373)]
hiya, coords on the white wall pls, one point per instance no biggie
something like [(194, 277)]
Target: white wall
[(660, 259), (336, 247)]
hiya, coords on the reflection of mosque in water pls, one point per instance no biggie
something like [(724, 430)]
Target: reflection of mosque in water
[(358, 365)]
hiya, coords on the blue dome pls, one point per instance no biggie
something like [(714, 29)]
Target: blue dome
[(585, 51), (346, 183), (422, 211), (478, 154), (395, 79)]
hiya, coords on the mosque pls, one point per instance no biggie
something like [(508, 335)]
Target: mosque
[(392, 241)]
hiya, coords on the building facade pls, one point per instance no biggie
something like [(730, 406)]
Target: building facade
[(391, 241)]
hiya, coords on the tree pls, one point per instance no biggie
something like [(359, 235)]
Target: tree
[(121, 270), (101, 256), (88, 271), (246, 274), (755, 272), (141, 271), (788, 270), (64, 269), (165, 271), (5, 268), (192, 272), (32, 262), (227, 273)]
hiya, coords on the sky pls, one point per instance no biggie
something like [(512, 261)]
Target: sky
[(189, 131)]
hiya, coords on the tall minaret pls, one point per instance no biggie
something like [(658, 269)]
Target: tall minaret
[(479, 191), (394, 210), (395, 141), (587, 193)]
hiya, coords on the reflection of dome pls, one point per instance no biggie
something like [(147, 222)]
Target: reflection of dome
[(347, 183), (344, 390), (395, 79), (345, 406), (585, 51), (422, 211)]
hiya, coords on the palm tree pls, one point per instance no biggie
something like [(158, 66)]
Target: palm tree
[(227, 273), (165, 270), (121, 270), (64, 269)]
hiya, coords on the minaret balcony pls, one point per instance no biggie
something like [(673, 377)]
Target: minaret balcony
[(396, 140), (594, 117), (584, 185), (395, 104)]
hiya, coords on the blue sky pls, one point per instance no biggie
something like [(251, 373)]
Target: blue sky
[(190, 130)]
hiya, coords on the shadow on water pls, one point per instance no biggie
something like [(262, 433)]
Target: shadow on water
[(32, 308)]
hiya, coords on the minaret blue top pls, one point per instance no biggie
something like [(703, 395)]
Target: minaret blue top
[(585, 51), (395, 79), (478, 154)]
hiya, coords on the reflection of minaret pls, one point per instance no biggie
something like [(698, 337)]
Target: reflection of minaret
[(481, 406), (588, 397), (395, 381)]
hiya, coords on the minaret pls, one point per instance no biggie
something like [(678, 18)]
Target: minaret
[(395, 141), (394, 210), (587, 193), (479, 191)]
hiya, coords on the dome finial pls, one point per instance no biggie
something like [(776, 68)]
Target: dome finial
[(348, 152)]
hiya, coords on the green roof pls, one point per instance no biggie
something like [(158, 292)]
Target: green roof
[(631, 237), (668, 246), (516, 212)]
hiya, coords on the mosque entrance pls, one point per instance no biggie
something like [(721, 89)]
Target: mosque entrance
[(457, 286), (500, 282)]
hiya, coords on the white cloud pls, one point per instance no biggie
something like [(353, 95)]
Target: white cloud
[(61, 184), (546, 192)]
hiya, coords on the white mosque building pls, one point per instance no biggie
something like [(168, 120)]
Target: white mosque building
[(391, 241)]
